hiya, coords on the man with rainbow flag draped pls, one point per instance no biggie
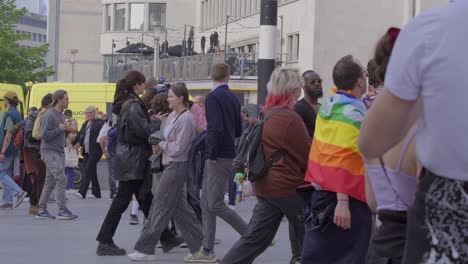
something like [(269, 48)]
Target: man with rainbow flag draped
[(337, 219)]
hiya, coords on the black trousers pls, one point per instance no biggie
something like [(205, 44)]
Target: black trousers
[(266, 219), (193, 197), (119, 205), (90, 175), (40, 174)]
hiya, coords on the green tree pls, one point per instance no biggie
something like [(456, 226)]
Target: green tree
[(18, 65)]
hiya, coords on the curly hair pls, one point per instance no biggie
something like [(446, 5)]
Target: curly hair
[(159, 104)]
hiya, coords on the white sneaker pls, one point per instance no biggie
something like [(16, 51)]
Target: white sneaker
[(138, 256), (70, 191), (77, 194), (91, 196), (233, 207)]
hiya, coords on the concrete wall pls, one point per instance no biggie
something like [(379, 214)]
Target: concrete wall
[(427, 5), (80, 26), (351, 27), (75, 25)]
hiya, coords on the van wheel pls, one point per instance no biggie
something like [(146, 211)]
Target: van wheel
[(79, 172)]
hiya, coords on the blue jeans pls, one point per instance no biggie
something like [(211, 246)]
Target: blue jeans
[(70, 172), (10, 188), (6, 178)]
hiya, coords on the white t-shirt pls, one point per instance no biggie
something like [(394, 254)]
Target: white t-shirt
[(430, 60), (103, 132)]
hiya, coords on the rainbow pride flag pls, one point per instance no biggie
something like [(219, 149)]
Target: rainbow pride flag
[(335, 163)]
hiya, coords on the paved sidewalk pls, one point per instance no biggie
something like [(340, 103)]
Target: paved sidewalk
[(24, 239)]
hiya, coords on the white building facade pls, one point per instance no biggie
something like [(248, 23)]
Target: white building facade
[(74, 28), (35, 27), (312, 34)]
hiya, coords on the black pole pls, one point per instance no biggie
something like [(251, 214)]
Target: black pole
[(267, 47), (126, 50), (111, 68), (184, 43), (112, 53), (225, 38), (141, 45)]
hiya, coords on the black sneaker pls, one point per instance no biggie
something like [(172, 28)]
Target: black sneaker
[(44, 214), (65, 214), (6, 206), (134, 219), (110, 249), (171, 244)]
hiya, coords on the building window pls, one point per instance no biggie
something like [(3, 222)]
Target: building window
[(45, 38), (108, 14), (157, 16), (119, 17), (34, 37), (293, 48), (137, 15), (40, 38)]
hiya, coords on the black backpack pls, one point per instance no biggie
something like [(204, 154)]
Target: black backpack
[(249, 151)]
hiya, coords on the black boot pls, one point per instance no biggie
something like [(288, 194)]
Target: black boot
[(110, 249), (171, 244)]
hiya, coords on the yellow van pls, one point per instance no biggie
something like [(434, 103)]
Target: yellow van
[(5, 87), (81, 95)]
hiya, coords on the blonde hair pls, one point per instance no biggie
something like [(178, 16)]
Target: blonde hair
[(284, 81), (91, 109)]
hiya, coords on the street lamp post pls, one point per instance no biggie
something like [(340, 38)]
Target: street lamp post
[(157, 34), (73, 53)]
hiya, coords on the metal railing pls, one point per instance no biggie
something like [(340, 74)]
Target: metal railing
[(198, 67)]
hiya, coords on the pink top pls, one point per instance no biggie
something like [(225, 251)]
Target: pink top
[(199, 115)]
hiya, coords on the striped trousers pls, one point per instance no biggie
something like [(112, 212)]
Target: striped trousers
[(169, 202)]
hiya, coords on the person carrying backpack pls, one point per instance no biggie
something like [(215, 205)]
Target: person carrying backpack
[(9, 152), (277, 170), (32, 147)]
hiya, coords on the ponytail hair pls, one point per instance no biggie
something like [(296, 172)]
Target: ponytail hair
[(125, 85)]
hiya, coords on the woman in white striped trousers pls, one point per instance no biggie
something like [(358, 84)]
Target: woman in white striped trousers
[(170, 200)]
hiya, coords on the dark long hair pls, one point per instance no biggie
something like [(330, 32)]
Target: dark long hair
[(125, 85)]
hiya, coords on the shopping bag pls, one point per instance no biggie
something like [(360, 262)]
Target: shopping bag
[(71, 158)]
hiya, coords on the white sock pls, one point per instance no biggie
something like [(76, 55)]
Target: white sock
[(134, 207)]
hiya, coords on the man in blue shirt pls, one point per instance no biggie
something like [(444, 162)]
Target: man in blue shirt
[(8, 152), (224, 126)]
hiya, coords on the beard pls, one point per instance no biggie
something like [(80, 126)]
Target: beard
[(315, 94)]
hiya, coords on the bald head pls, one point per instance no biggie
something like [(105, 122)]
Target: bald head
[(312, 85)]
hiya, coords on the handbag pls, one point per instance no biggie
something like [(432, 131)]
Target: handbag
[(71, 158)]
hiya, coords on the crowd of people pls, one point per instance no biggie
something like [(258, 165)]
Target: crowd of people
[(330, 169)]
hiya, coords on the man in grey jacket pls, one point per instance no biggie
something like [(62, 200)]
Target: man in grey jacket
[(53, 129)]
